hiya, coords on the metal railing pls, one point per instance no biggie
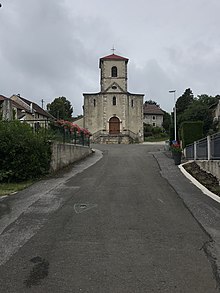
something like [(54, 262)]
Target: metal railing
[(58, 133), (204, 149)]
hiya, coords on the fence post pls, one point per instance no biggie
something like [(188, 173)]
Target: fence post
[(195, 151), (75, 135), (209, 147)]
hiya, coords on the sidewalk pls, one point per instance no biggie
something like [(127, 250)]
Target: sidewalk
[(204, 209)]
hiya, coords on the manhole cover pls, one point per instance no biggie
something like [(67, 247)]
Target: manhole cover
[(82, 207)]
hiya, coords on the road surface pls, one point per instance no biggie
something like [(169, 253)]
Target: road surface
[(118, 226)]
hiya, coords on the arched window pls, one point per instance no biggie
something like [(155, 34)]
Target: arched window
[(114, 101), (114, 71)]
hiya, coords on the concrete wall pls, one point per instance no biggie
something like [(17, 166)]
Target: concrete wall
[(210, 166), (65, 154)]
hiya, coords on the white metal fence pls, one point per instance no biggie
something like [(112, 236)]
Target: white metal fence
[(204, 149)]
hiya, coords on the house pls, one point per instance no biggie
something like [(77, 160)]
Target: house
[(30, 112), (22, 109), (114, 115), (215, 108), (6, 109), (2, 99), (153, 115)]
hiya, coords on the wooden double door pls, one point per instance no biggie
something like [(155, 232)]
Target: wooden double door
[(114, 125)]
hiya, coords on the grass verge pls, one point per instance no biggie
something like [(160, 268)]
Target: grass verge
[(8, 188), (155, 139)]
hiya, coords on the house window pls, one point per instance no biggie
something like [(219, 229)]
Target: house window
[(154, 124), (114, 101), (94, 102), (114, 71), (154, 117), (132, 103)]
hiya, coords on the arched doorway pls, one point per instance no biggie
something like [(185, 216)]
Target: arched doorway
[(114, 125)]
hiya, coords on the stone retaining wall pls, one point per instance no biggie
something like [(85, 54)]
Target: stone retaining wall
[(64, 154)]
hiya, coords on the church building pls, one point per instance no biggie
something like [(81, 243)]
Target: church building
[(114, 115)]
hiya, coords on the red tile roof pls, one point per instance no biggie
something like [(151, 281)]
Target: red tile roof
[(114, 57), (152, 109)]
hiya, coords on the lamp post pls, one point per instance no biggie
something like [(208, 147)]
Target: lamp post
[(175, 130)]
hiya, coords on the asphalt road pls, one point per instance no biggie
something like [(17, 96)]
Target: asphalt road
[(118, 226)]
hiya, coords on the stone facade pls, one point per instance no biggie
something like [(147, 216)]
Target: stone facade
[(153, 115), (114, 115)]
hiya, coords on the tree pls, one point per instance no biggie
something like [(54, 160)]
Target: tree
[(166, 121), (197, 111), (208, 100), (151, 102), (60, 108), (184, 101)]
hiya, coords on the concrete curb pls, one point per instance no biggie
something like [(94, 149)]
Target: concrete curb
[(198, 184)]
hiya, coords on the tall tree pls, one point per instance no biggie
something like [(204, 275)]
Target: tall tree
[(60, 108), (198, 111), (184, 101), (166, 121)]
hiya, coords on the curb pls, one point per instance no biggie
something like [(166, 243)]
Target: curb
[(198, 184)]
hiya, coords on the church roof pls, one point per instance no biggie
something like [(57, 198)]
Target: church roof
[(114, 57)]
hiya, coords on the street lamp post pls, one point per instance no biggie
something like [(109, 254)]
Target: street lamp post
[(175, 128)]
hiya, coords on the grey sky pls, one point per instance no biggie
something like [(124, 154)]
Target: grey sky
[(51, 48)]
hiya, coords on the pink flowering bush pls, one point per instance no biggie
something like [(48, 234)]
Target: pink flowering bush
[(72, 132)]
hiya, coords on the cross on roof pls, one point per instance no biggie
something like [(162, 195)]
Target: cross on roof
[(113, 49)]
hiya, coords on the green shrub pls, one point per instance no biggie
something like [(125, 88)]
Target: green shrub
[(191, 131), (23, 154), (157, 130)]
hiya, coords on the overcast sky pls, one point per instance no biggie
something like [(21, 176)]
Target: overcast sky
[(51, 48)]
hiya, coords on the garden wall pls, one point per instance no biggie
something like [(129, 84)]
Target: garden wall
[(211, 166), (64, 154)]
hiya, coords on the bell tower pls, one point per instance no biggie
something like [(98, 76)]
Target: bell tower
[(113, 73), (114, 115)]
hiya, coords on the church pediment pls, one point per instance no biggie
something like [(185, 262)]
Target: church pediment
[(114, 88)]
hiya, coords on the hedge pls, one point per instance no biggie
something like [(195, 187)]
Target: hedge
[(23, 154), (191, 131)]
